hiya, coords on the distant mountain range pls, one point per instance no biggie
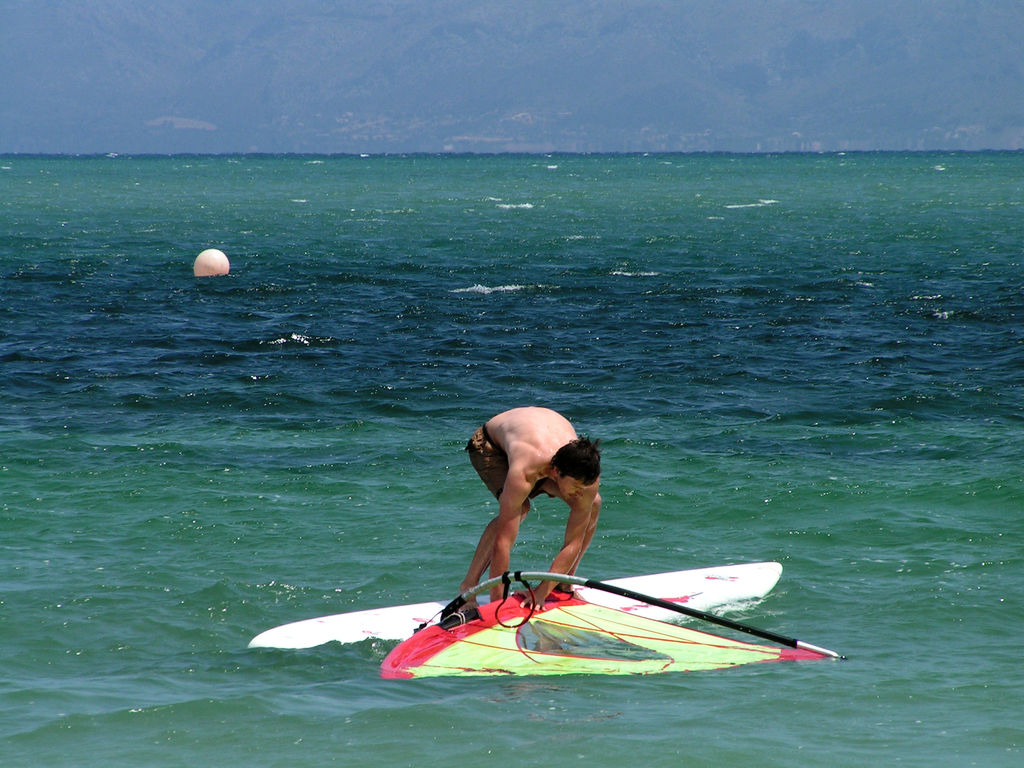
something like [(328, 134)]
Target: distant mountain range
[(85, 76)]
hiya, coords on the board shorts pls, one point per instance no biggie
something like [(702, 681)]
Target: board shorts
[(491, 462)]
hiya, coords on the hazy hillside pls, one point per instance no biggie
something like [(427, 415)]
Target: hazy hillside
[(344, 76)]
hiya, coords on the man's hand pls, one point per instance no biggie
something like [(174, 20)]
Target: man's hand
[(531, 601)]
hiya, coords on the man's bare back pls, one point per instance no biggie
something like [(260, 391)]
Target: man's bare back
[(530, 437), (519, 454)]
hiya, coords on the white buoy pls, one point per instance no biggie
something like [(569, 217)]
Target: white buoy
[(211, 262)]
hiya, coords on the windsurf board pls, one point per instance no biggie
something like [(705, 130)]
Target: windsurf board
[(701, 588)]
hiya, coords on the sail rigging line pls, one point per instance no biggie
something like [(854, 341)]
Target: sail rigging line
[(506, 581)]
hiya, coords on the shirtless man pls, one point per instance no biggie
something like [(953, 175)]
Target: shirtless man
[(520, 454)]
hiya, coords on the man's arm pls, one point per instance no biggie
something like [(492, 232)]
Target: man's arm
[(579, 531), (595, 512), (514, 505), (494, 549)]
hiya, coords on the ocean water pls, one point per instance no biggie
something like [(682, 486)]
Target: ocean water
[(815, 359)]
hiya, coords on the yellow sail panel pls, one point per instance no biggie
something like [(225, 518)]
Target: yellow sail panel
[(571, 638)]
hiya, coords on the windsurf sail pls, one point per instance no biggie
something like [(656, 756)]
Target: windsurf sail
[(571, 636)]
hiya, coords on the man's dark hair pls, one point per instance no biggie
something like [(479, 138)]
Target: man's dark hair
[(580, 459)]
